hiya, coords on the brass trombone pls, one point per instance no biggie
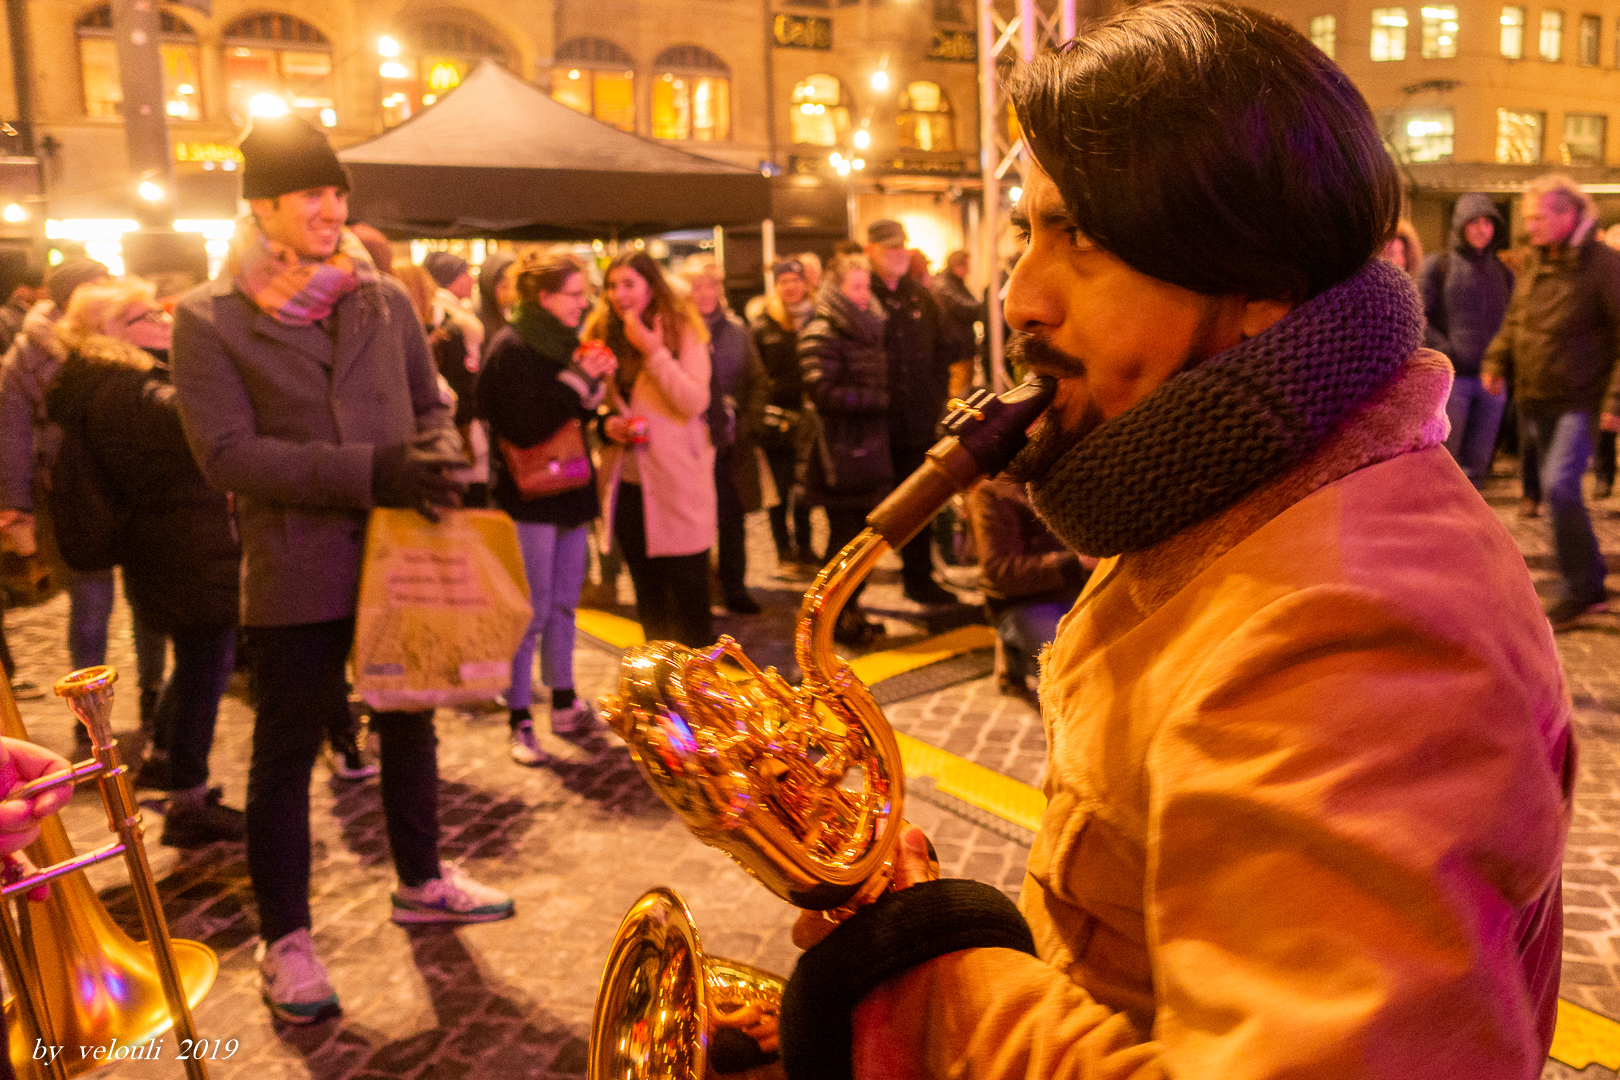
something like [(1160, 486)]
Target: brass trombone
[(77, 978)]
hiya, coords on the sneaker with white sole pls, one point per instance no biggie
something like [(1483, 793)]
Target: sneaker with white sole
[(293, 980), (577, 719), (453, 897), (525, 748)]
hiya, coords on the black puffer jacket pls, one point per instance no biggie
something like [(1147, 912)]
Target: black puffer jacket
[(1465, 291), (921, 346), (180, 554), (846, 381)]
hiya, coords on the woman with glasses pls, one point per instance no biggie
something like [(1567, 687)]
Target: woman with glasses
[(174, 537)]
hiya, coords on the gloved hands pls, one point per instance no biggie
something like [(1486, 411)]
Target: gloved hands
[(415, 475)]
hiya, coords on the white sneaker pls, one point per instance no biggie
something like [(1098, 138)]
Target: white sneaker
[(524, 746), (451, 897), (293, 980), (577, 719)]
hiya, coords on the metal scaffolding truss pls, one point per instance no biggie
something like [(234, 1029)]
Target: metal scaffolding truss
[(1009, 31)]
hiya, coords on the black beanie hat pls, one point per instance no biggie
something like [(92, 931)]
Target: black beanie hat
[(65, 279), (287, 153), (444, 268)]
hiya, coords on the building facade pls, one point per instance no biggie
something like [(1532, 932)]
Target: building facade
[(1480, 95), (866, 108)]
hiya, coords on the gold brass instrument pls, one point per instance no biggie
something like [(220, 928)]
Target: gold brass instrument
[(658, 992), (804, 787), (77, 979)]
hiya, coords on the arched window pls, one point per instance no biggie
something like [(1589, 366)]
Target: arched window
[(98, 64), (271, 58), (925, 118), (597, 78), (691, 95), (820, 111), (430, 59)]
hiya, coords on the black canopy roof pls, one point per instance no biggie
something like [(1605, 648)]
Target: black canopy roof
[(498, 158)]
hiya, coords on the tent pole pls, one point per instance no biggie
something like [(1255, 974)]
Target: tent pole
[(767, 244), (720, 250)]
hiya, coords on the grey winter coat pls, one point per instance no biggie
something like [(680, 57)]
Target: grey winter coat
[(287, 417), (28, 439), (1466, 291)]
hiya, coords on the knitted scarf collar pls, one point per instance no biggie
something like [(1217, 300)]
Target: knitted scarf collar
[(544, 332), (287, 288), (1212, 434)]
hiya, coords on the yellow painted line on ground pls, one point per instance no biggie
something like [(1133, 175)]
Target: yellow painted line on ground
[(974, 784), (616, 630), (875, 667), (1584, 1037)]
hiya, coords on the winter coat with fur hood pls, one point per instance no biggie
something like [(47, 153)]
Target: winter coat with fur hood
[(180, 556)]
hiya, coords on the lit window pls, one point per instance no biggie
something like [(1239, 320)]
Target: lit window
[(98, 66), (819, 111), (1439, 33), (1513, 33), (691, 95), (597, 78), (1324, 28), (1552, 35), (431, 61), (1591, 40), (1518, 137), (1389, 34), (1584, 135), (925, 118), (1424, 135), (280, 56)]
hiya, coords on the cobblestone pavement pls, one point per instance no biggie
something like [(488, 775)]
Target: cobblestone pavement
[(577, 840)]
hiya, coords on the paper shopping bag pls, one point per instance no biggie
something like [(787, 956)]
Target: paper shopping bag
[(442, 608)]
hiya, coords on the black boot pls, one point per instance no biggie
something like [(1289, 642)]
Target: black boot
[(196, 818)]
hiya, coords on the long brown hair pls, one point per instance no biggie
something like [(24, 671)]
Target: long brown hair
[(677, 311), (544, 272)]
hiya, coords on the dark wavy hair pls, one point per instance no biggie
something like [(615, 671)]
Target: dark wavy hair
[(1214, 147)]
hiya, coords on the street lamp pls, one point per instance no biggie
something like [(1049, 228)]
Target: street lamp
[(151, 191), (880, 80), (14, 214), (863, 139), (267, 105)]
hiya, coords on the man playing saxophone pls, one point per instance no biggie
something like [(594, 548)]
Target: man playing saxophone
[(1310, 747)]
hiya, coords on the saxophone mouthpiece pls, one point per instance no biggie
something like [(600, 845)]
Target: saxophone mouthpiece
[(982, 435)]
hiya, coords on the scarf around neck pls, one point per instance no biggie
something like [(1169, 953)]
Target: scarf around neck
[(1212, 434), (544, 332), (285, 286)]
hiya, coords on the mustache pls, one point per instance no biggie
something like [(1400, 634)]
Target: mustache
[(1027, 351)]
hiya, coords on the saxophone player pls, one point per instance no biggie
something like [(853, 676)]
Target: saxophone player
[(1310, 749)]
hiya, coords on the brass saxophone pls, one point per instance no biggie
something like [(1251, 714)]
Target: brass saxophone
[(804, 786)]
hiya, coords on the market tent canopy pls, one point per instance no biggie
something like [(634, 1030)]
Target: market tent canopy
[(498, 158)]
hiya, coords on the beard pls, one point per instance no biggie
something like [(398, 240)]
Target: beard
[(1049, 441)]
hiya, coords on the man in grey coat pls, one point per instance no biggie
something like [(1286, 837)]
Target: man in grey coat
[(307, 389)]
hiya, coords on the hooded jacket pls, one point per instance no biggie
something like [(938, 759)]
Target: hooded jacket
[(1561, 333), (1465, 291)]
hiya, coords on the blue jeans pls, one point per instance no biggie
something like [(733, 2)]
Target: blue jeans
[(90, 604), (1026, 629), (189, 707), (1475, 416), (1563, 442), (554, 560)]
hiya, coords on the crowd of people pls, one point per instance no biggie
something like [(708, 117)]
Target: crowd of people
[(1533, 325)]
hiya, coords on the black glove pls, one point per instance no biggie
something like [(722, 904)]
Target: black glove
[(415, 476)]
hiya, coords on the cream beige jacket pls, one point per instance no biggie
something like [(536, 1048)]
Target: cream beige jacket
[(1309, 784)]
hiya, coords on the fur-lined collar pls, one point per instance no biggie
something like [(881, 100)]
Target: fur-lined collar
[(101, 349), (1407, 415)]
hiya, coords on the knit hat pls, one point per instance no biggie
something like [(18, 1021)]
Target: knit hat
[(786, 266), (67, 277), (444, 267), (886, 232), (281, 154)]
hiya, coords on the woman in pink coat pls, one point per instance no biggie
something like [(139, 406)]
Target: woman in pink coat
[(657, 469)]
